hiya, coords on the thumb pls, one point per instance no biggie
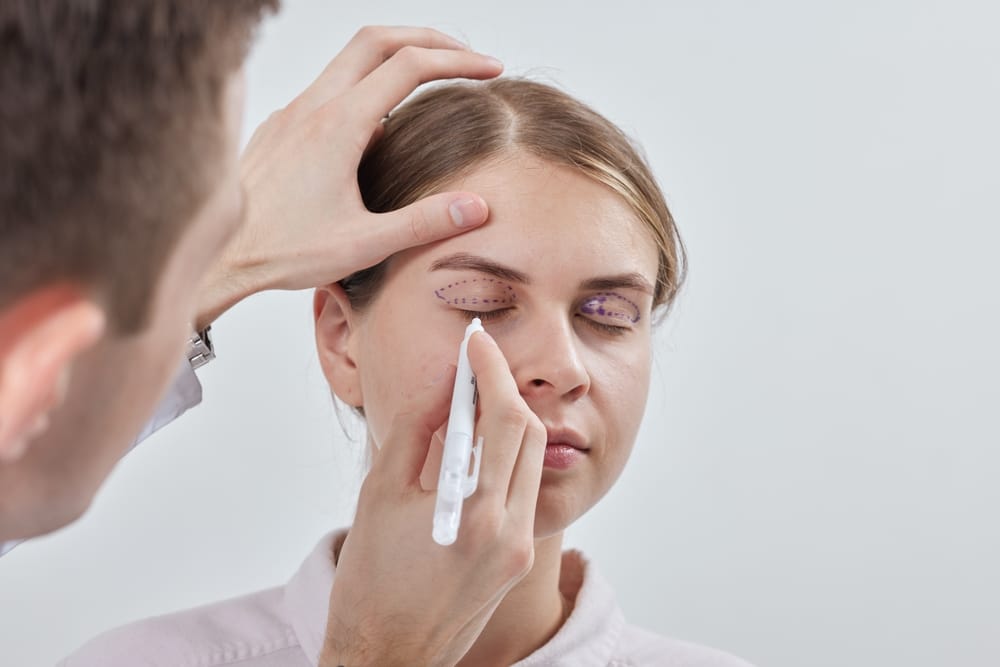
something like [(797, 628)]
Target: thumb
[(431, 219), (402, 455)]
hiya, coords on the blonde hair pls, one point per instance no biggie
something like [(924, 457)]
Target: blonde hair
[(448, 131)]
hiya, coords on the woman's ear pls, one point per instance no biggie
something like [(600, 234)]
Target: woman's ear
[(336, 343)]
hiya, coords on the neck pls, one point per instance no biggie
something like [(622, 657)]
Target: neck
[(529, 615)]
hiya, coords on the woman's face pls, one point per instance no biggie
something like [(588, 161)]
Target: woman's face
[(562, 278)]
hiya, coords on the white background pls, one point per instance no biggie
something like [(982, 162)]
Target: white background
[(815, 481)]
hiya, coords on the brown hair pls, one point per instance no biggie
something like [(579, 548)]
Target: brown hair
[(450, 130), (111, 134)]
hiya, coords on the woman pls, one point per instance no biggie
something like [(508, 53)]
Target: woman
[(580, 255)]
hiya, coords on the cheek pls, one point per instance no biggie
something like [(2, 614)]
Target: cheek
[(397, 367), (621, 393)]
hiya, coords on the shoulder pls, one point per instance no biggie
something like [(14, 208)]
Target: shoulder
[(250, 630), (637, 646)]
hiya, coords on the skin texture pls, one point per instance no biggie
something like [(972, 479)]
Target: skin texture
[(582, 378), (575, 374)]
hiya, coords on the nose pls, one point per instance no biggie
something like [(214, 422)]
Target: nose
[(548, 362)]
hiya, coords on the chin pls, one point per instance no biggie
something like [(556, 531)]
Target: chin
[(556, 511)]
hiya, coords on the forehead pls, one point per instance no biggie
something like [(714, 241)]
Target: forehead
[(550, 221)]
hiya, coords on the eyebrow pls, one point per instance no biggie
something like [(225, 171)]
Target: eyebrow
[(463, 261), (621, 281)]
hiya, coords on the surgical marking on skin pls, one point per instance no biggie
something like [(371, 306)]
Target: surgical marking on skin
[(504, 297), (613, 305)]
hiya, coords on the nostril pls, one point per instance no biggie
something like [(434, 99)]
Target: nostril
[(537, 382)]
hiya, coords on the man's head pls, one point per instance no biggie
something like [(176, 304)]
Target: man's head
[(119, 131)]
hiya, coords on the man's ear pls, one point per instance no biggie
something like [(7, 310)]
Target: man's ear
[(41, 335), (336, 337)]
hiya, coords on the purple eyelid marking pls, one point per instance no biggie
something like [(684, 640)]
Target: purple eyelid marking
[(499, 293), (612, 305)]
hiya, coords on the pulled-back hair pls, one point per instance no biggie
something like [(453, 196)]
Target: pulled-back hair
[(448, 131), (111, 137)]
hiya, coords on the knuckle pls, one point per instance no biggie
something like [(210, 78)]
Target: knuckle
[(420, 226), (513, 416), (520, 558), (277, 117), (409, 56), (536, 429), (369, 35), (486, 528)]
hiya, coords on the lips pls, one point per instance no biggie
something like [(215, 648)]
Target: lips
[(565, 436), (564, 448)]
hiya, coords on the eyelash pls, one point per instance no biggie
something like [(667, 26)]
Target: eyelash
[(485, 315), (492, 315), (610, 329)]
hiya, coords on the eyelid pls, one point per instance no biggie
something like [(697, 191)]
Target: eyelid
[(486, 315), (457, 292), (611, 329), (611, 305)]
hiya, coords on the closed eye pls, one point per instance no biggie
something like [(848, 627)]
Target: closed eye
[(610, 329), (487, 315)]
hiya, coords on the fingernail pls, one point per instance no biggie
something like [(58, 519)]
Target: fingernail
[(467, 212), (493, 61)]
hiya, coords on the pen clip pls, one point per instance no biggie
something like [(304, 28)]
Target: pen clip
[(472, 481)]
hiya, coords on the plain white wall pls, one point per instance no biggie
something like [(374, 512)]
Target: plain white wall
[(815, 481)]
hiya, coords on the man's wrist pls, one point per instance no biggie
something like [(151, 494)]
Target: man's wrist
[(224, 287)]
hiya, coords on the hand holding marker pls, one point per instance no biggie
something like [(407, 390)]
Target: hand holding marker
[(455, 483)]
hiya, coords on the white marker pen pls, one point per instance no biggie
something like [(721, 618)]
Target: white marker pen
[(455, 483)]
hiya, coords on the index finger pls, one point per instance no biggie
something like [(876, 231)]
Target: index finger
[(370, 47), (379, 92), (504, 417)]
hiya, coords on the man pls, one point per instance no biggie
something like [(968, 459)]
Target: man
[(128, 224)]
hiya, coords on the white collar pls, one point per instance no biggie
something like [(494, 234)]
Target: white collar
[(588, 637)]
